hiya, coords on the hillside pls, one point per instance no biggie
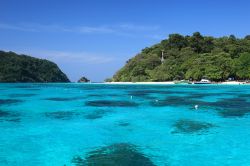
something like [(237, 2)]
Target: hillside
[(22, 68), (190, 57)]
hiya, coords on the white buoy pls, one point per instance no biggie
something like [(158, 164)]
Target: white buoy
[(196, 107), (156, 100), (131, 97)]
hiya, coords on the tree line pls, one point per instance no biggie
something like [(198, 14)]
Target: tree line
[(191, 58), (23, 68)]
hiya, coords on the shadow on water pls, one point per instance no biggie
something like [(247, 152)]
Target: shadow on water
[(121, 154), (187, 126), (110, 103), (9, 116)]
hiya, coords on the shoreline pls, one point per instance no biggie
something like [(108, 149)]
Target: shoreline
[(173, 83), (143, 83), (132, 83)]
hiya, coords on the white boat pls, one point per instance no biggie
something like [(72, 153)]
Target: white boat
[(203, 81)]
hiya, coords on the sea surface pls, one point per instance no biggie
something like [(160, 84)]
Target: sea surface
[(123, 125)]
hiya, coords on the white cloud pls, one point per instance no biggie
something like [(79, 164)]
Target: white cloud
[(86, 29), (15, 27)]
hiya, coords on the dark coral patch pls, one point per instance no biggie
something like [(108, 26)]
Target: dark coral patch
[(30, 87), (21, 95), (199, 95), (63, 98), (9, 101), (190, 126), (231, 107), (108, 103), (24, 86), (234, 107), (95, 95), (177, 101), (143, 93), (34, 89), (122, 154), (79, 161), (206, 94), (4, 113), (232, 113), (13, 119), (123, 124), (62, 115), (102, 95), (9, 116), (244, 95), (96, 114)]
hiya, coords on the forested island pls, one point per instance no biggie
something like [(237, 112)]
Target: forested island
[(83, 80), (23, 68), (191, 58)]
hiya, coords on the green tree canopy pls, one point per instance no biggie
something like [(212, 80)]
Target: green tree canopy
[(190, 57), (22, 68)]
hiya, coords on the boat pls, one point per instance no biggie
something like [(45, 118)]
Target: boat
[(203, 81)]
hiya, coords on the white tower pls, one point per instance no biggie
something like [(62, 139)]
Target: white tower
[(162, 56)]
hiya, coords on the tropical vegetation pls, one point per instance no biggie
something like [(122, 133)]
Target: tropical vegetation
[(190, 57), (23, 68)]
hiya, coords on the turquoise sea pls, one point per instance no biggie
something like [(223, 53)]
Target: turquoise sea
[(122, 125)]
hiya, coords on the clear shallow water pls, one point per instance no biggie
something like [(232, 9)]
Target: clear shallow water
[(86, 124)]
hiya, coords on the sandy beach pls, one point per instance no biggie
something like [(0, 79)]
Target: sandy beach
[(144, 83), (172, 83)]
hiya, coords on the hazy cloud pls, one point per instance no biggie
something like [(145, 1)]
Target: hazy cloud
[(124, 29), (134, 27), (66, 56)]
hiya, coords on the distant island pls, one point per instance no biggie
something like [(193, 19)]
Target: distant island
[(23, 68), (83, 80), (190, 58)]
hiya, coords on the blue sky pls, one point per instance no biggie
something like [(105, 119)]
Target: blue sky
[(94, 38)]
